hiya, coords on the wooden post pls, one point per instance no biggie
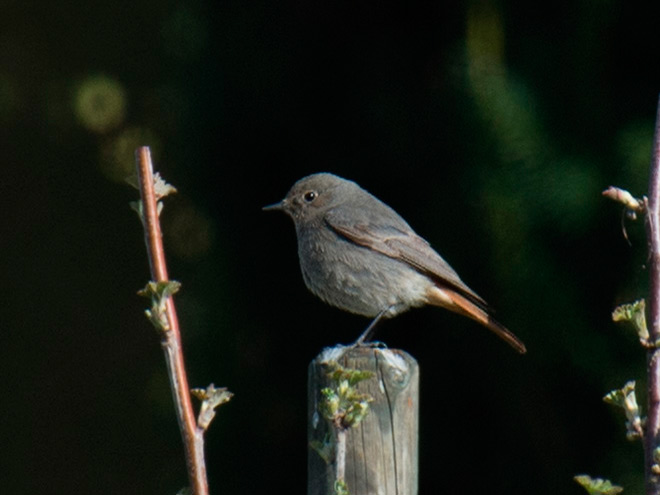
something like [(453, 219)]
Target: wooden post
[(381, 451)]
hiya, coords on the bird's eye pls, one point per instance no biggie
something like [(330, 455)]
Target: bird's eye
[(310, 196)]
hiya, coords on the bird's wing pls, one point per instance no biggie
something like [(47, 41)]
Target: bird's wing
[(398, 241)]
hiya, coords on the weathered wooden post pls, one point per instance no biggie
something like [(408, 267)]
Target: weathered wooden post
[(380, 453)]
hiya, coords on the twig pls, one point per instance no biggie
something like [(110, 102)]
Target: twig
[(340, 458), (191, 433), (652, 428)]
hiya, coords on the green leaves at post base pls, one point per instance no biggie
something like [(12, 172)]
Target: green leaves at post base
[(158, 292), (597, 486), (342, 404), (211, 398), (626, 399), (341, 488), (635, 314), (343, 407)]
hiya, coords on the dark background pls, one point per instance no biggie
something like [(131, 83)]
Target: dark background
[(492, 127)]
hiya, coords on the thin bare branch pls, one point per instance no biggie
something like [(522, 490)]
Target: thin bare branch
[(191, 433), (652, 428)]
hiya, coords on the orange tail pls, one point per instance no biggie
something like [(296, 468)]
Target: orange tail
[(453, 301)]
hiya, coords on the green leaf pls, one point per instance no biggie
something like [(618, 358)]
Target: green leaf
[(343, 405), (338, 374), (356, 413), (625, 198), (211, 398), (626, 399), (635, 314), (330, 403), (325, 449), (341, 488), (597, 486), (158, 292), (162, 188)]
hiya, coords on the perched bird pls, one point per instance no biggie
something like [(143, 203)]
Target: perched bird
[(358, 254)]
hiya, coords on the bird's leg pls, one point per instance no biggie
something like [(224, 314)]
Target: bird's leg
[(366, 335)]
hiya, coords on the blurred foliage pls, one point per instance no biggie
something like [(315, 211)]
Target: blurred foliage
[(100, 104), (491, 126), (597, 486)]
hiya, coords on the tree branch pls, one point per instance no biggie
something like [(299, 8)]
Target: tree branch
[(191, 433), (652, 428)]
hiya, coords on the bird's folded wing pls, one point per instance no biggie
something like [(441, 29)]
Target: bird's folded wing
[(402, 243)]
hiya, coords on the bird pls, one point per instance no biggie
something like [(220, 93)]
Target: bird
[(356, 253)]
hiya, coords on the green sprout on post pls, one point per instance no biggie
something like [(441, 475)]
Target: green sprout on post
[(344, 407), (341, 488), (342, 404)]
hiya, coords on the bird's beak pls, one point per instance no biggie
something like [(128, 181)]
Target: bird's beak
[(275, 206)]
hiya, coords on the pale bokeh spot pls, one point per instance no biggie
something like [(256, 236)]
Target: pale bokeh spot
[(118, 153), (100, 104)]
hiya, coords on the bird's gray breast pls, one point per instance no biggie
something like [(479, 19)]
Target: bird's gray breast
[(355, 278)]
